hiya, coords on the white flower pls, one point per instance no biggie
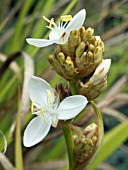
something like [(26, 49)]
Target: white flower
[(49, 110), (100, 72), (60, 33)]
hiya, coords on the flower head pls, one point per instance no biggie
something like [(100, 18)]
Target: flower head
[(59, 33), (49, 110)]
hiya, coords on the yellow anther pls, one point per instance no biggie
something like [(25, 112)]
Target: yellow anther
[(49, 96), (43, 114), (66, 18), (49, 21), (32, 107)]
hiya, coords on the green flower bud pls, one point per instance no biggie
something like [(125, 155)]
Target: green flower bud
[(69, 70), (73, 41), (79, 50), (65, 49), (57, 50), (91, 47), (61, 58), (97, 54), (55, 64), (86, 34)]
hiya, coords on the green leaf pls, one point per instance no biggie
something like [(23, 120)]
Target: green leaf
[(18, 146)]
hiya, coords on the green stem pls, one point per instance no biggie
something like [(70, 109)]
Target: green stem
[(73, 87), (70, 145), (98, 117), (68, 135)]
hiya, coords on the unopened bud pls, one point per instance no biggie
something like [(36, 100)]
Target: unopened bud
[(65, 49), (73, 41), (61, 58), (57, 50), (98, 54), (80, 49), (55, 64), (91, 47), (69, 70), (86, 34)]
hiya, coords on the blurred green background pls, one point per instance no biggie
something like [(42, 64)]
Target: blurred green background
[(20, 19)]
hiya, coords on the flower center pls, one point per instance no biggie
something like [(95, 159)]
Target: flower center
[(49, 99), (50, 109)]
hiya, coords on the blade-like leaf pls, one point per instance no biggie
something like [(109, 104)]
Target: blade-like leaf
[(18, 146)]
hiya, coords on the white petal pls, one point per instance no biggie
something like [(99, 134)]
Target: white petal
[(40, 42), (100, 72), (36, 130), (71, 106), (77, 21), (54, 35), (38, 91)]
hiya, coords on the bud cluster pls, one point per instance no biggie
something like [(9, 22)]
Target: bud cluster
[(79, 56), (86, 143), (78, 59)]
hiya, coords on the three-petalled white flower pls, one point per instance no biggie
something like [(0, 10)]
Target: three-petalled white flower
[(50, 110), (59, 34)]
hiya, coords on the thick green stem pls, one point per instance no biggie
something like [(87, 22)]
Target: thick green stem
[(98, 118), (73, 87), (70, 145), (68, 135)]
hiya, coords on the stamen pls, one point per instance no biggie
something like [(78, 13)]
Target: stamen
[(66, 18), (43, 114), (49, 97), (65, 24), (32, 107), (61, 24), (56, 102), (51, 22)]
